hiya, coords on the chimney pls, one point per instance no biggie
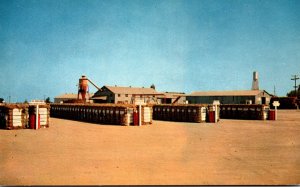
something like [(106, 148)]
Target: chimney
[(255, 81)]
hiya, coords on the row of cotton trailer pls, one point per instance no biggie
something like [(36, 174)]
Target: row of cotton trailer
[(199, 113), (124, 114), (20, 116), (119, 114), (246, 112)]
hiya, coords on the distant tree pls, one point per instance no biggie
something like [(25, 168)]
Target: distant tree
[(152, 86), (1, 100), (48, 100), (26, 101), (292, 93)]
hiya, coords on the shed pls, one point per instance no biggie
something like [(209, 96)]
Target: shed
[(172, 97)]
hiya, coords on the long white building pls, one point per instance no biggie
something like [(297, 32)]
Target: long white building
[(230, 97)]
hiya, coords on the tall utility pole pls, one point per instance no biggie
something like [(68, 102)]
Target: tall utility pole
[(295, 78)]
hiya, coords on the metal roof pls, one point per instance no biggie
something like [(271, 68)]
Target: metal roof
[(172, 94), (69, 96), (228, 93), (132, 90)]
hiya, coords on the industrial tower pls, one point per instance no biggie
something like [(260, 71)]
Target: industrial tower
[(255, 81)]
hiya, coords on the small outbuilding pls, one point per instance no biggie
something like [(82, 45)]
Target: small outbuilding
[(172, 98), (230, 97)]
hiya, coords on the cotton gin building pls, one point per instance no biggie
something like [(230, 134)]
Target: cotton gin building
[(230, 97), (126, 95)]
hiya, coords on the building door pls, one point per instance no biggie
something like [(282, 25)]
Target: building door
[(168, 101), (263, 100)]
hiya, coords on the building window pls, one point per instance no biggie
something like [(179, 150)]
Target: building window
[(119, 95), (126, 95)]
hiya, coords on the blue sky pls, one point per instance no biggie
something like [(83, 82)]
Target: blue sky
[(177, 45)]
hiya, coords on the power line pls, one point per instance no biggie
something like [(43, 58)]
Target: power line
[(295, 78)]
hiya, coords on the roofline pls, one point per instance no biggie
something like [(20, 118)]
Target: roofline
[(73, 94), (148, 94), (267, 92), (221, 93), (126, 87), (157, 93)]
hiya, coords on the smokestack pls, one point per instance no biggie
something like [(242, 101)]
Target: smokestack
[(255, 81)]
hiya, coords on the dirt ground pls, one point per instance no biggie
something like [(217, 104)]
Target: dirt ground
[(229, 152)]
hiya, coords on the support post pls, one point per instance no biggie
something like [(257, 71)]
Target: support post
[(140, 115), (216, 103), (216, 113), (37, 117), (276, 104), (275, 113)]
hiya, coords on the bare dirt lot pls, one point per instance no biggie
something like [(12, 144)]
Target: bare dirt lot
[(229, 152)]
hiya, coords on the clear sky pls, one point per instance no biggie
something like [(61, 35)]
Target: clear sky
[(202, 45)]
